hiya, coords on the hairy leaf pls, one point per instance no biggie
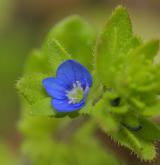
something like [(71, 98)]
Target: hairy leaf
[(144, 149), (114, 44), (31, 88)]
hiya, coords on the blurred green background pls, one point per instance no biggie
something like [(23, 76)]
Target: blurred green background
[(23, 25)]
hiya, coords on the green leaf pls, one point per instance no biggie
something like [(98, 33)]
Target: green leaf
[(43, 107), (31, 88), (140, 61), (144, 52), (76, 36), (131, 120), (144, 149), (55, 54), (37, 63), (149, 49), (46, 60), (140, 142), (136, 141), (115, 42), (152, 111), (149, 131), (108, 122)]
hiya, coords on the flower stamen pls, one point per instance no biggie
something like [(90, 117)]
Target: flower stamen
[(75, 95)]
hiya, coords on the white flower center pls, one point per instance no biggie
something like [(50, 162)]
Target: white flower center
[(75, 95)]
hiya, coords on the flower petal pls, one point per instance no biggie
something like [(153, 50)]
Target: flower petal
[(71, 71), (64, 106), (55, 87)]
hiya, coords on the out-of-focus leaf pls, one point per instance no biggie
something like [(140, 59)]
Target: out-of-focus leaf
[(6, 155), (36, 63)]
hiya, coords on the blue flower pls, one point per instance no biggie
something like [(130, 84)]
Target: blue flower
[(70, 87)]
